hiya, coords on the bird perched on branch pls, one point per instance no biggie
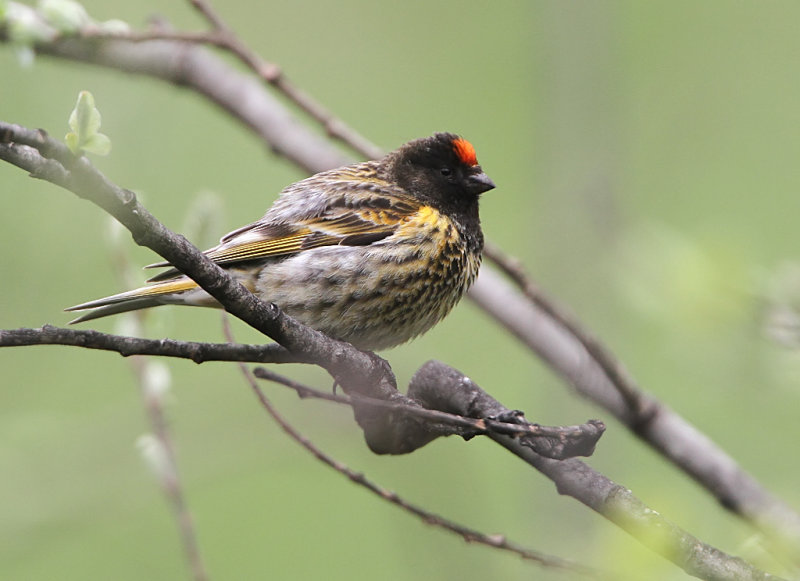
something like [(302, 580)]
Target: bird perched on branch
[(374, 253)]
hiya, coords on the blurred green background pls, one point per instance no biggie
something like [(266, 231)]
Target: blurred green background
[(646, 161)]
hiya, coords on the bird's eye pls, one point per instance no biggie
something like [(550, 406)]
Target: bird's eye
[(446, 172)]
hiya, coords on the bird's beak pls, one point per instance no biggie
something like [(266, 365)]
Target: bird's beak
[(480, 183)]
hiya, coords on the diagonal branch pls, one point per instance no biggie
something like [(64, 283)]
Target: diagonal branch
[(578, 480), (594, 372)]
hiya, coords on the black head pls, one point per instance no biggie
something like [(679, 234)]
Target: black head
[(441, 170)]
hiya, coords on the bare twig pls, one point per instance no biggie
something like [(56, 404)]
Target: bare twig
[(210, 14), (302, 390), (578, 440), (127, 346)]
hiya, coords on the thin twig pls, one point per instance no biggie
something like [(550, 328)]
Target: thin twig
[(128, 346), (302, 390), (205, 9)]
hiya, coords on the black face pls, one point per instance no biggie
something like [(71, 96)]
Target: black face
[(442, 170)]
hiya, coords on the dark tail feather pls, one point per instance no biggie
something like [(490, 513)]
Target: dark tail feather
[(113, 309), (168, 292)]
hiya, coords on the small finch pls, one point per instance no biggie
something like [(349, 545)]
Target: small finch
[(374, 253)]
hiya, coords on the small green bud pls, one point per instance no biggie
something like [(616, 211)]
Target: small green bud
[(85, 124)]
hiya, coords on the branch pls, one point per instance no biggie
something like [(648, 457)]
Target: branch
[(545, 328), (127, 346), (578, 480), (555, 442)]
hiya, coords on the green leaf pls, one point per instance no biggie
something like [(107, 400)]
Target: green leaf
[(85, 124), (98, 144), (71, 140)]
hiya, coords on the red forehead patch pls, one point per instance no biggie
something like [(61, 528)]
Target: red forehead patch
[(465, 151)]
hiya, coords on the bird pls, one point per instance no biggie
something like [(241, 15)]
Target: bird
[(375, 253)]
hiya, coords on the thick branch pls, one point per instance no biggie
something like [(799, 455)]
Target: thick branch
[(581, 482)]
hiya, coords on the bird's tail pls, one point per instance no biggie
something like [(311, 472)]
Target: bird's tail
[(162, 293)]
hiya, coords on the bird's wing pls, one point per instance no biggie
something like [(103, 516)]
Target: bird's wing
[(345, 224)]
